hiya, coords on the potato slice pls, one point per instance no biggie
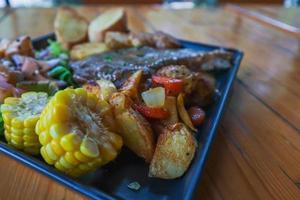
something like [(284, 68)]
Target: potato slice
[(107, 88), (117, 40), (110, 20), (131, 86), (135, 129), (174, 152), (81, 51), (70, 27)]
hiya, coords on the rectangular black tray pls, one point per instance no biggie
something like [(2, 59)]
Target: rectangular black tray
[(110, 182)]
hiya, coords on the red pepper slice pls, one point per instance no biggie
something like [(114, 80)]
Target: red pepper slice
[(173, 86), (152, 112)]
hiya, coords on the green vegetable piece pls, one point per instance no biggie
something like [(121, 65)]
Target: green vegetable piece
[(57, 71), (108, 58), (56, 48), (50, 87), (64, 63), (65, 76)]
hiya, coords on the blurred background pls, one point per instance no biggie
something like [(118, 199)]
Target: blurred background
[(168, 3)]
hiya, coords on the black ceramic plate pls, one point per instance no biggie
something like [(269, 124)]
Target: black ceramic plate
[(110, 182)]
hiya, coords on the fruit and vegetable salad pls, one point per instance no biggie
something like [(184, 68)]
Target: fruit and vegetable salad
[(85, 96)]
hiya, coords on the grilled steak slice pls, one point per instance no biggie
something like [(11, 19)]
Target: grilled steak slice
[(117, 65), (159, 40)]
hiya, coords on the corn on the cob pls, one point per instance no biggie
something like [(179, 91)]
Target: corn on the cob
[(72, 133), (20, 116)]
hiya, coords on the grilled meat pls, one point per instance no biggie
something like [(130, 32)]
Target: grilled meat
[(118, 65), (159, 40)]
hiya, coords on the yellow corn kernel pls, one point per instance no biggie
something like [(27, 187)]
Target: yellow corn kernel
[(52, 155), (17, 138), (108, 152), (16, 131), (7, 135), (60, 113), (44, 122), (69, 157), (62, 97), (57, 147), (46, 157), (38, 128), (31, 121), (6, 118), (59, 166), (17, 123), (31, 138), (29, 131), (11, 100), (70, 142), (65, 163), (58, 130), (44, 137), (89, 148), (79, 156)]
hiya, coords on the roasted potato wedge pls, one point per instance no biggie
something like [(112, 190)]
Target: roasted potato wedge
[(131, 86), (70, 28), (110, 20), (117, 40), (174, 152), (84, 50), (135, 129), (102, 88), (107, 88)]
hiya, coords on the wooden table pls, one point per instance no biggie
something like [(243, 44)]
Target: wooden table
[(256, 154)]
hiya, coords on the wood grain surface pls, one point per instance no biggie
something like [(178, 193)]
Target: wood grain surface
[(290, 16), (284, 19), (256, 154)]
